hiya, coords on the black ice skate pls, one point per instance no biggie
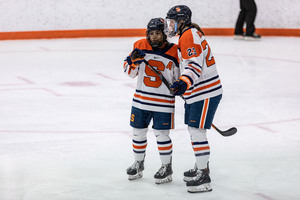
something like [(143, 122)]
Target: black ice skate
[(164, 174), (191, 173), (252, 37), (200, 183), (135, 171)]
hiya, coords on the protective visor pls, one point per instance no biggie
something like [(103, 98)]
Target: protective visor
[(171, 28)]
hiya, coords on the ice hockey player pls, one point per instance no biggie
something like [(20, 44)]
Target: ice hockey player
[(201, 88), (152, 99)]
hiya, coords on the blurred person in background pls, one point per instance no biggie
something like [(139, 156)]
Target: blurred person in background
[(247, 14)]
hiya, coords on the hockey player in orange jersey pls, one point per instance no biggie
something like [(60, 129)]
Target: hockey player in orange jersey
[(201, 88), (152, 99)]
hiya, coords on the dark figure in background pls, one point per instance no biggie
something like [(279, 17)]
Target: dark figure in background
[(247, 14)]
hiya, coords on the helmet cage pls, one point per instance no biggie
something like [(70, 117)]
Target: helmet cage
[(169, 31)]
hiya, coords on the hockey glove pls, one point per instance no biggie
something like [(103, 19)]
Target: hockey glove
[(136, 57), (181, 85)]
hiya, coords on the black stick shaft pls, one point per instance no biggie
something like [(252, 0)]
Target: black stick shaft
[(164, 80)]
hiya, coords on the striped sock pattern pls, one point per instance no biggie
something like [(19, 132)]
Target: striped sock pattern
[(165, 149), (139, 149), (202, 152), (201, 148)]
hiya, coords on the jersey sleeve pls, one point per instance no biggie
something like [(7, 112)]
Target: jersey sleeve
[(176, 68), (176, 73), (192, 58), (131, 70)]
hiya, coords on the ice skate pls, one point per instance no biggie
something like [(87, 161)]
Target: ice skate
[(164, 174), (135, 171), (253, 37), (200, 183), (239, 36), (191, 173)]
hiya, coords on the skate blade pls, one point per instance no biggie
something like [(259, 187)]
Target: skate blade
[(164, 180), (200, 188), (136, 176), (238, 37), (187, 179), (251, 39)]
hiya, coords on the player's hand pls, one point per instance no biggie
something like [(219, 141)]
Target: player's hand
[(179, 87), (136, 57)]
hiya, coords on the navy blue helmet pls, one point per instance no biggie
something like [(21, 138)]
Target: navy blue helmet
[(156, 24), (180, 12)]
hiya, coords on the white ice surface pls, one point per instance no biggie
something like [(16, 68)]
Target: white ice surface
[(65, 134)]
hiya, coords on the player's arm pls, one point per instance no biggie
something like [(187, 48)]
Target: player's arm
[(176, 69), (192, 55), (132, 62)]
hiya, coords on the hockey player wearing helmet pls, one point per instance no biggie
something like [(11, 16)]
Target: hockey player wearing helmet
[(155, 33), (152, 99), (200, 86)]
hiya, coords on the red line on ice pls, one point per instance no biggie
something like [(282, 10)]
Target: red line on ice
[(108, 77), (264, 196), (257, 57), (72, 132), (123, 132), (25, 80), (272, 122), (265, 128), (51, 91), (45, 89)]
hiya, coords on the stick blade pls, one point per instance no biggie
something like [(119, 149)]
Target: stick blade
[(229, 132)]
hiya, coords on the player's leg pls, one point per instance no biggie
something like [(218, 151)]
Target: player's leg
[(199, 117), (201, 181), (139, 121), (238, 32), (162, 123), (250, 18)]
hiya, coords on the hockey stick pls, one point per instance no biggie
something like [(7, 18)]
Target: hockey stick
[(164, 80), (226, 133)]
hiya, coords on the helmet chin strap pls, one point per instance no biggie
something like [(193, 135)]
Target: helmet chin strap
[(181, 26)]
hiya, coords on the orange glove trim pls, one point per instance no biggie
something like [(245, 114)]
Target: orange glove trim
[(187, 80)]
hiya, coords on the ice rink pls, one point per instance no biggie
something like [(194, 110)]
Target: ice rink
[(65, 134)]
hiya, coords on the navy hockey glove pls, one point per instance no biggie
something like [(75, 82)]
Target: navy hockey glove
[(136, 57), (181, 85)]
